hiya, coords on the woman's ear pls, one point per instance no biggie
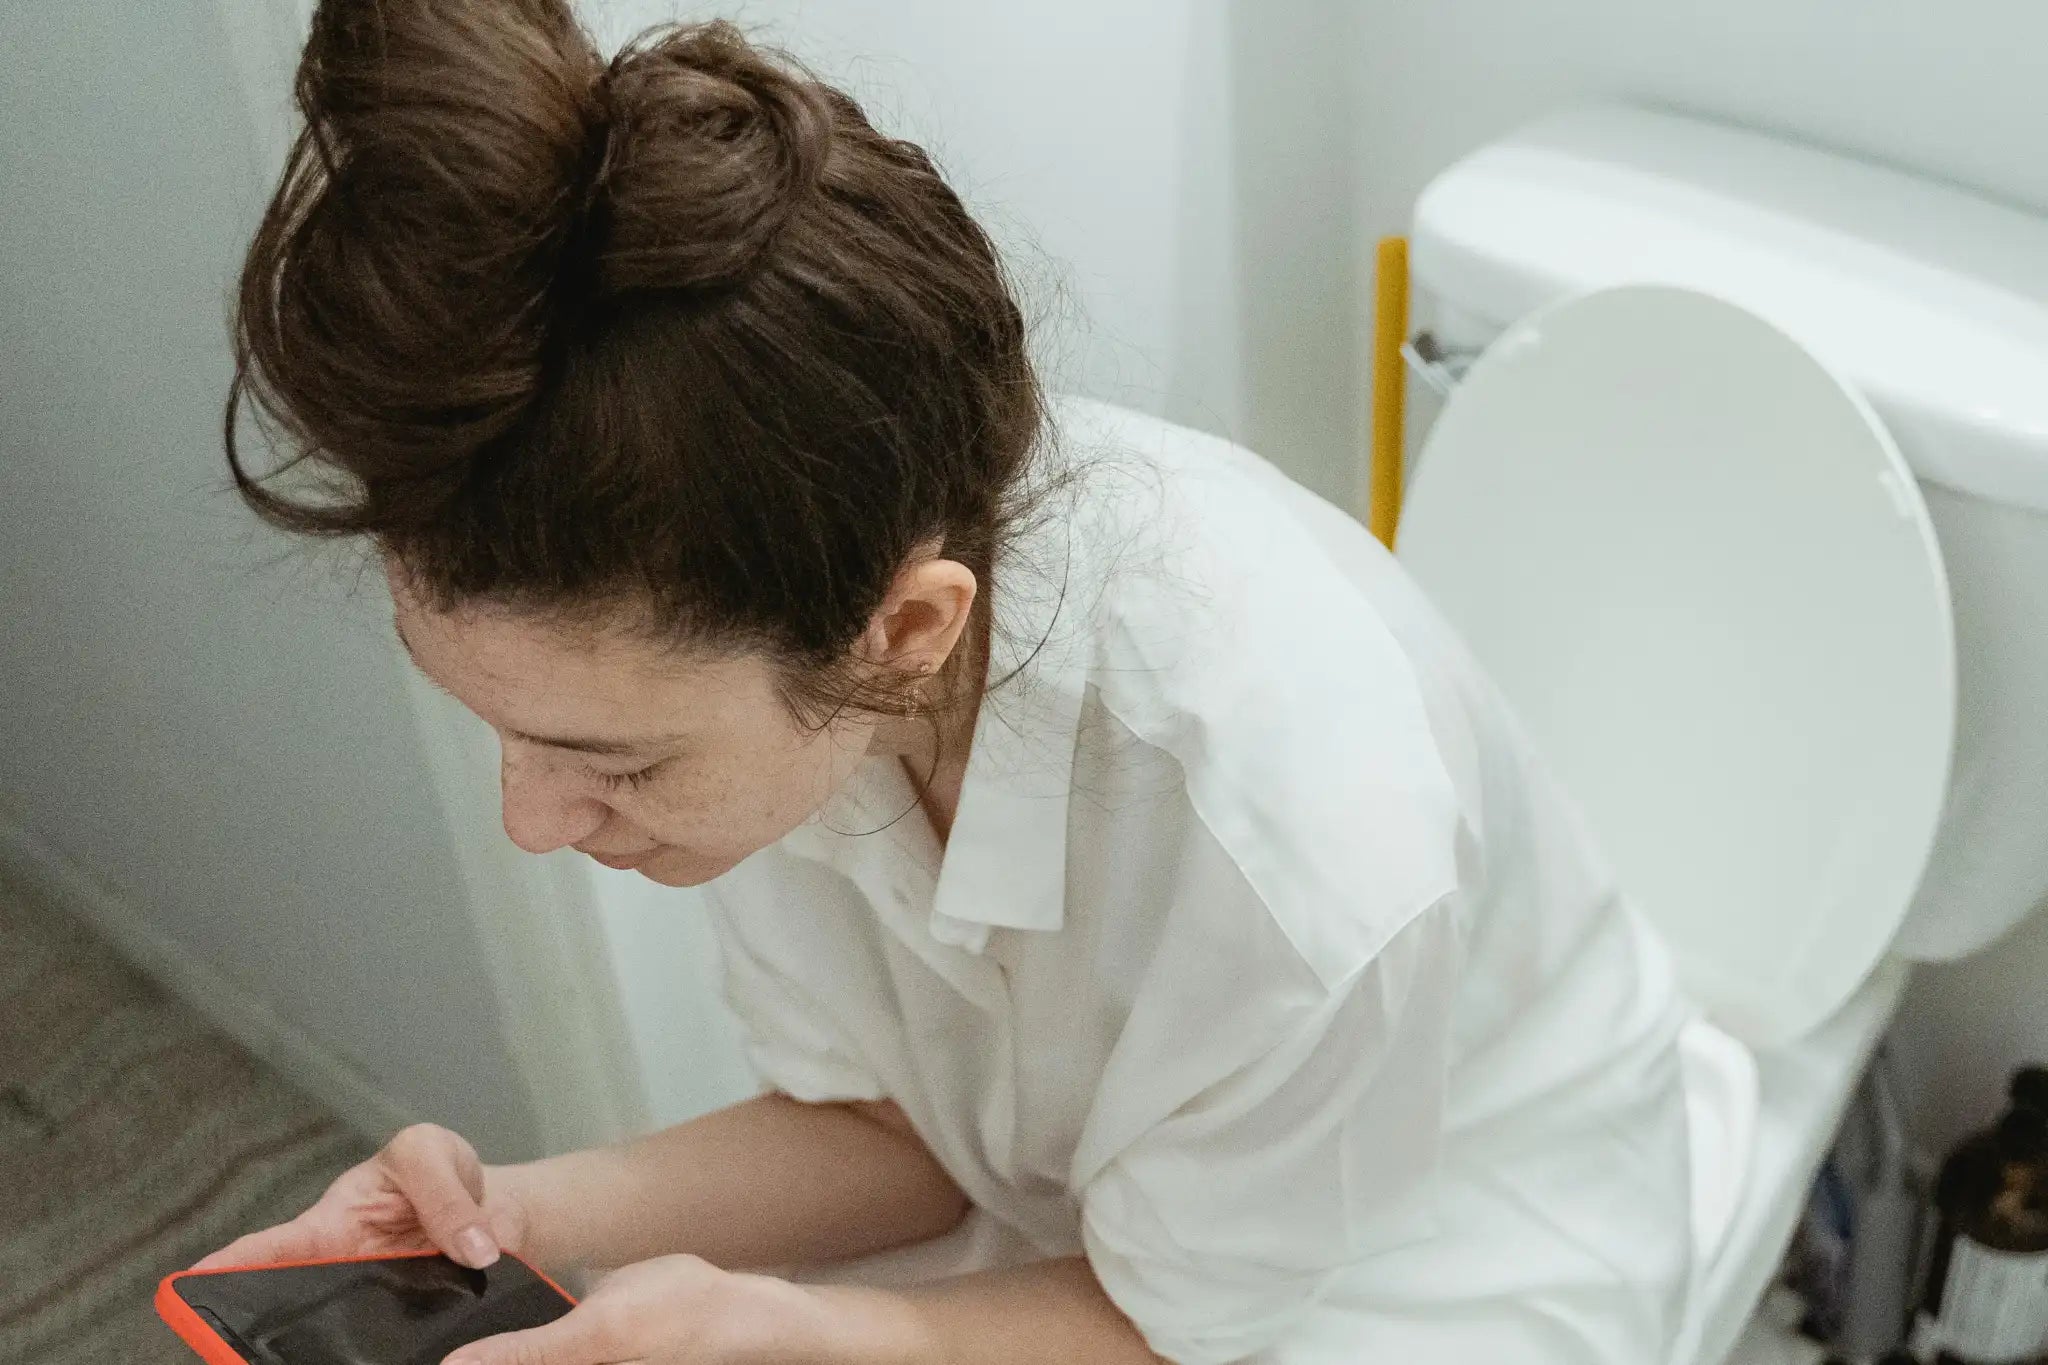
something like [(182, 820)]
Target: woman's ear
[(922, 617)]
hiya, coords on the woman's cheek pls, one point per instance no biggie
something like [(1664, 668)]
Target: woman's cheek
[(731, 810), (680, 811), (712, 812)]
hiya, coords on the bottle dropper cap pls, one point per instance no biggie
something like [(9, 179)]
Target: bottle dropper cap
[(2029, 1088)]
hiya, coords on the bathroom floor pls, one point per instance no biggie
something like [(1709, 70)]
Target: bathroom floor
[(133, 1140)]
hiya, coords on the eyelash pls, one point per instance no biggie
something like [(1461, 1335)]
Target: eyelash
[(629, 781)]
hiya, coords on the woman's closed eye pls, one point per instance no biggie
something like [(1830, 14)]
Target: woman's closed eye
[(632, 781)]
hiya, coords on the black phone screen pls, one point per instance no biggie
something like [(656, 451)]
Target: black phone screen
[(408, 1310)]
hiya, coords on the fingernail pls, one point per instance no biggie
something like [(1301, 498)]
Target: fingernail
[(477, 1249)]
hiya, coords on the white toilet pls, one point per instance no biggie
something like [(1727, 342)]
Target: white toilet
[(1745, 507)]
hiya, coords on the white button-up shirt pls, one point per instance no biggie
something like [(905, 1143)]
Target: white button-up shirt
[(1261, 965)]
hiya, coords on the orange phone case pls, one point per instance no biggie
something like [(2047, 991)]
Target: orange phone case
[(194, 1331)]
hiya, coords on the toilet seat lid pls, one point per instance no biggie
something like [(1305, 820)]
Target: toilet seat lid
[(1700, 571)]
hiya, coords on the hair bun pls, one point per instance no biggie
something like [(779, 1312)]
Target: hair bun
[(445, 145), (473, 185), (715, 146), (474, 109)]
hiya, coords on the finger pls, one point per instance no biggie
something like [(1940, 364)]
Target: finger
[(297, 1240), (440, 1176), (568, 1340)]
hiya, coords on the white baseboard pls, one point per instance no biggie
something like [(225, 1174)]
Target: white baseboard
[(42, 871)]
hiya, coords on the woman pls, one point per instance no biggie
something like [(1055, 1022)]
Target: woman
[(1154, 937)]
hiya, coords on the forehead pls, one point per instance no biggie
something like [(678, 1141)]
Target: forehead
[(539, 676), (488, 642)]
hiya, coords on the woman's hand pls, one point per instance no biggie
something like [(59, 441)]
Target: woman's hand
[(425, 1191), (679, 1310)]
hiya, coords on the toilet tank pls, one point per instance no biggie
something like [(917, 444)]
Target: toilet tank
[(1932, 302)]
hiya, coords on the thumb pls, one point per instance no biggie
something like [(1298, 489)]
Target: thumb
[(568, 1340), (438, 1173)]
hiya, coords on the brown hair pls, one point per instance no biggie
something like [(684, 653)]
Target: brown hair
[(678, 337)]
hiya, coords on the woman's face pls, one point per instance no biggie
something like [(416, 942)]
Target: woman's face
[(676, 766)]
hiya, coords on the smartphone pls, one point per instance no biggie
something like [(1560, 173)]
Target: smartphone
[(381, 1310)]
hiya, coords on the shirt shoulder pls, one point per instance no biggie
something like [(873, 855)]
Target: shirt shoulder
[(1223, 634)]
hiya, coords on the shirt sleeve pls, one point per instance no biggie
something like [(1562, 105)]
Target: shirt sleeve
[(1216, 1228), (793, 1041)]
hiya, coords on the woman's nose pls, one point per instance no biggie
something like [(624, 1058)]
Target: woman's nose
[(541, 813)]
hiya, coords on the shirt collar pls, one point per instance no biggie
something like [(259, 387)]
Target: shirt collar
[(1005, 860)]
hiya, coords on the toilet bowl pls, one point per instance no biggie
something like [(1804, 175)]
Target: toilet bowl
[(1760, 1124), (1744, 507)]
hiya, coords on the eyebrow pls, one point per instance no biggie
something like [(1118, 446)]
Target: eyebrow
[(604, 747)]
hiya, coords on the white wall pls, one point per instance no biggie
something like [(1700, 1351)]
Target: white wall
[(1952, 91), (202, 744)]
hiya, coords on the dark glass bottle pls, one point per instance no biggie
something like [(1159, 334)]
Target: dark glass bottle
[(1987, 1285)]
